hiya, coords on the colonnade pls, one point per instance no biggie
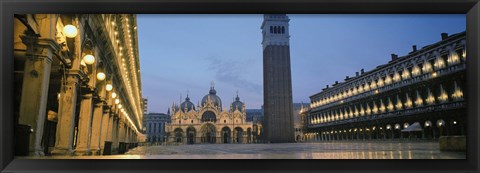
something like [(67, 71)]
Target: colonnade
[(69, 91)]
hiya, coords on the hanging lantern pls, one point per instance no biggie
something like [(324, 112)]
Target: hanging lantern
[(70, 31), (109, 87), (89, 59), (101, 76)]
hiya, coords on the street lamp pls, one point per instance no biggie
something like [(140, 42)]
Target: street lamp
[(117, 101), (70, 31), (114, 95)]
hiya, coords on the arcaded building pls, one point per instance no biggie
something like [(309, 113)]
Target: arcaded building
[(208, 122), (419, 95), (77, 84)]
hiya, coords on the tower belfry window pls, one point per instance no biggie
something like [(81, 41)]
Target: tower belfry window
[(271, 29), (283, 30), (275, 29)]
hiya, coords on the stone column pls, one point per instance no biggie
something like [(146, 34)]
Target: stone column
[(33, 104), (96, 129), (121, 135), (97, 118), (84, 126), (116, 123), (106, 126), (66, 116), (110, 132), (127, 133)]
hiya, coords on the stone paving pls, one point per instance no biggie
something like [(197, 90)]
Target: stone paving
[(322, 150)]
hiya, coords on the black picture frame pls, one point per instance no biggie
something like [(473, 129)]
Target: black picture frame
[(10, 7)]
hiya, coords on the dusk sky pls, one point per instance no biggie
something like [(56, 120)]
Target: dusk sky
[(188, 52)]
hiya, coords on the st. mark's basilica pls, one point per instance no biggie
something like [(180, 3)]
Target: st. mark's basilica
[(208, 122)]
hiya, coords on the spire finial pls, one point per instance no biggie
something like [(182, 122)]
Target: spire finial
[(212, 85)]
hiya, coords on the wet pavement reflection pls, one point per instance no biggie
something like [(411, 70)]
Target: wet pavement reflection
[(322, 150)]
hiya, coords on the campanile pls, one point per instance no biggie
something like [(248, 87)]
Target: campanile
[(277, 79)]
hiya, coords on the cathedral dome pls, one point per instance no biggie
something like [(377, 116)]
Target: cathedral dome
[(212, 96), (237, 104), (187, 104)]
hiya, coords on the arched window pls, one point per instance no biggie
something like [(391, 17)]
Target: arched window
[(283, 30), (274, 29), (192, 121), (271, 29), (224, 121)]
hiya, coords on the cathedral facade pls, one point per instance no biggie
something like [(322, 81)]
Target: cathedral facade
[(208, 122)]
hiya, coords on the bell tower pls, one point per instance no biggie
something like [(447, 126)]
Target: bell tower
[(277, 79)]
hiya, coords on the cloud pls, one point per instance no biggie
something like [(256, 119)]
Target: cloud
[(233, 72)]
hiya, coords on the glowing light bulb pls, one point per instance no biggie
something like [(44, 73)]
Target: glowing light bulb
[(70, 31), (109, 87), (89, 59), (101, 76)]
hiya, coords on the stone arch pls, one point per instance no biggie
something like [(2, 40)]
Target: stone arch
[(238, 134), (208, 132), (191, 134), (209, 116), (226, 134), (178, 133), (249, 135)]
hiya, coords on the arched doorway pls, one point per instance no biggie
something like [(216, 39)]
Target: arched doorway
[(226, 137), (238, 135), (178, 135), (208, 133), (249, 135), (191, 135)]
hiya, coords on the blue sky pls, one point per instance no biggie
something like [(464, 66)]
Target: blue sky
[(188, 52)]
